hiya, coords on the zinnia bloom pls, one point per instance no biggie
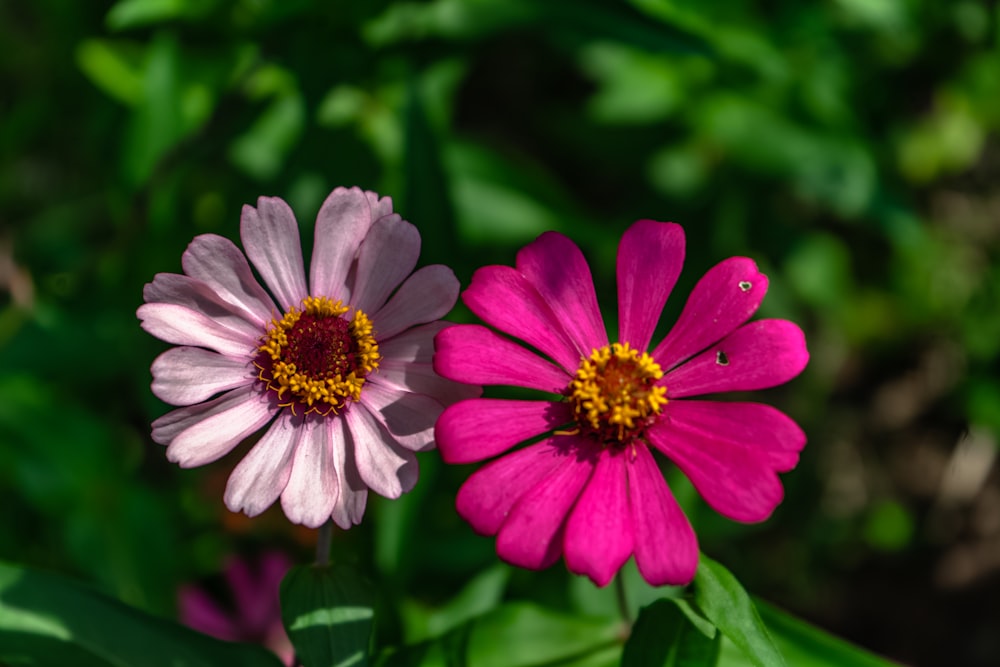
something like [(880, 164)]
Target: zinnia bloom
[(340, 367), (591, 489)]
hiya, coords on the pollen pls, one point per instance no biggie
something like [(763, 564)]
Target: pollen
[(614, 394), (316, 359)]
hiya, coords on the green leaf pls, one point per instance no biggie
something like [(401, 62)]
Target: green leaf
[(49, 621), (724, 602), (328, 615), (664, 637), (114, 67)]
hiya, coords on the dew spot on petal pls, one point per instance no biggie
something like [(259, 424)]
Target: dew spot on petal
[(721, 358), (745, 285)]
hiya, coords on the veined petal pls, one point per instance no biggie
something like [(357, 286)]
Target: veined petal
[(202, 433), (666, 549), (258, 480), (476, 355), (409, 418), (180, 290), (766, 432), (217, 262), (421, 379), (414, 345), (731, 479), (487, 496), (532, 534), (312, 489), (182, 326), (271, 239), (481, 428), (650, 258), (427, 295), (352, 493), (189, 375), (386, 256), (758, 355), (722, 300), (599, 535), (504, 299), (385, 466), (342, 224), (558, 270)]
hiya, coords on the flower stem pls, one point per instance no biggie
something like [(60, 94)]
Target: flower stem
[(323, 543), (622, 599)]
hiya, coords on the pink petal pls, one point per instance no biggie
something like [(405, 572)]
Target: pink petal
[(764, 431), (557, 269), (311, 492), (202, 433), (481, 428), (599, 532), (217, 262), (666, 549), (473, 354), (385, 466), (182, 326), (416, 344), (409, 418), (342, 224), (722, 300), (381, 206), (385, 258), (731, 479), (189, 375), (185, 291), (200, 612), (532, 534), (427, 295), (504, 299), (353, 494), (650, 258), (488, 495), (758, 355), (271, 238), (421, 379), (258, 480)]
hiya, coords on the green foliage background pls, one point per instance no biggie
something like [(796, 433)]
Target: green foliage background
[(848, 146)]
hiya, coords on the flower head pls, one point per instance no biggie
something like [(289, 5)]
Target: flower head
[(590, 488), (337, 367)]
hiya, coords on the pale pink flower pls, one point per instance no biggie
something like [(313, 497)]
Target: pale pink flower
[(590, 489), (339, 366), (251, 610)]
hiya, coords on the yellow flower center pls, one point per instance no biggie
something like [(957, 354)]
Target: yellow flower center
[(614, 393), (315, 359)]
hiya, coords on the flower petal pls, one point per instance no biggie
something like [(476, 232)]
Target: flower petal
[(385, 466), (353, 494), (481, 428), (180, 290), (414, 345), (343, 221), (599, 535), (666, 549), (258, 480), (722, 300), (312, 490), (473, 354), (487, 496), (197, 610), (731, 478), (532, 534), (202, 433), (758, 355), (271, 238), (650, 258), (558, 270), (217, 262), (385, 258), (409, 418), (189, 375), (182, 326), (427, 295), (504, 299), (766, 432), (421, 379)]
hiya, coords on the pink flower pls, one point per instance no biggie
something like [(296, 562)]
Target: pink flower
[(340, 367), (590, 489), (252, 614)]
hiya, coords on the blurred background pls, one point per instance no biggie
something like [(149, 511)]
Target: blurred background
[(848, 146)]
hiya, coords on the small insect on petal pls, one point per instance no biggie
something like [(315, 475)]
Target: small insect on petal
[(721, 358)]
